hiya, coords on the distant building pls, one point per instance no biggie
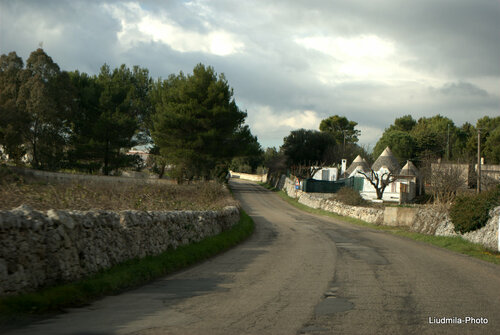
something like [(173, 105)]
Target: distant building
[(490, 174), (402, 190), (326, 173)]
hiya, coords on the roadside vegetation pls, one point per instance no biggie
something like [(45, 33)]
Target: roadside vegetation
[(15, 191), (456, 244), (51, 119), (351, 197), (25, 307), (470, 212)]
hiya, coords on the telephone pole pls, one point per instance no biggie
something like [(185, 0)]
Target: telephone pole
[(478, 161), (448, 144)]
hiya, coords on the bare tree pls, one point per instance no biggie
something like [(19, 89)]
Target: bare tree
[(379, 180), (445, 180)]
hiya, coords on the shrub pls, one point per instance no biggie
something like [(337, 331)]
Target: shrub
[(350, 196), (471, 212)]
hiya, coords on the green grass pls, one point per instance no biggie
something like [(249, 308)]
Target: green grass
[(15, 309), (455, 243)]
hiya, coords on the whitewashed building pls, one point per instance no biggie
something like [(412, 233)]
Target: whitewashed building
[(402, 190), (326, 173)]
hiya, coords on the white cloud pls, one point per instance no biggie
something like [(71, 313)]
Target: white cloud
[(275, 125), (362, 57), (371, 62), (360, 47), (139, 25)]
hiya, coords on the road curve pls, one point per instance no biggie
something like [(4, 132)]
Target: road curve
[(303, 274)]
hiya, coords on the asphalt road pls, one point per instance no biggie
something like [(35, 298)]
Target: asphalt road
[(303, 274)]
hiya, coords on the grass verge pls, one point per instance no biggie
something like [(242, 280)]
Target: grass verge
[(17, 309), (454, 243)]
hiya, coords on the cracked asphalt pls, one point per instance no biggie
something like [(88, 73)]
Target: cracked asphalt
[(302, 274)]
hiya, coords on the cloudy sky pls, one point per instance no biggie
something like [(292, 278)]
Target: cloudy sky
[(291, 63)]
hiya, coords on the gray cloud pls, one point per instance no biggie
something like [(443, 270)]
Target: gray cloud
[(462, 89), (450, 46)]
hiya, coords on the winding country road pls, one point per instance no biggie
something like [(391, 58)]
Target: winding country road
[(303, 274)]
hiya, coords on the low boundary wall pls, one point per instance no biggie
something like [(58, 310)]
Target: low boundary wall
[(48, 176), (261, 178), (44, 248), (434, 221), (424, 219)]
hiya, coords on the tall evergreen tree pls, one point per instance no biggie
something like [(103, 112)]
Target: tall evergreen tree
[(197, 124), (13, 120), (45, 96), (117, 123), (83, 154), (343, 130)]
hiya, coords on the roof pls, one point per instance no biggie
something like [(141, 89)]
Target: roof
[(409, 170), (358, 161), (387, 160)]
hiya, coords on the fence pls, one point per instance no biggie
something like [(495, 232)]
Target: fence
[(321, 186)]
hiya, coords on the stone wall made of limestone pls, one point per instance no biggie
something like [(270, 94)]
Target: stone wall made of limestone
[(48, 176), (435, 221), (321, 201), (423, 219), (38, 249)]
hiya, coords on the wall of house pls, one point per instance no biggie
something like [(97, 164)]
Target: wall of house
[(392, 192), (43, 248), (332, 173)]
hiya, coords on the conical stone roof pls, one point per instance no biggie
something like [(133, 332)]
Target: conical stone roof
[(358, 161), (409, 170), (387, 160)]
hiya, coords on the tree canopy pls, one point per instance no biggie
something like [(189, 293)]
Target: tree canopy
[(54, 119), (197, 124), (45, 98), (435, 137), (13, 120), (402, 144), (89, 122), (341, 129), (308, 147)]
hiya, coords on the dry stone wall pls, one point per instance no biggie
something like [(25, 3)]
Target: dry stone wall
[(43, 248), (322, 201), (49, 176), (424, 219), (436, 221)]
